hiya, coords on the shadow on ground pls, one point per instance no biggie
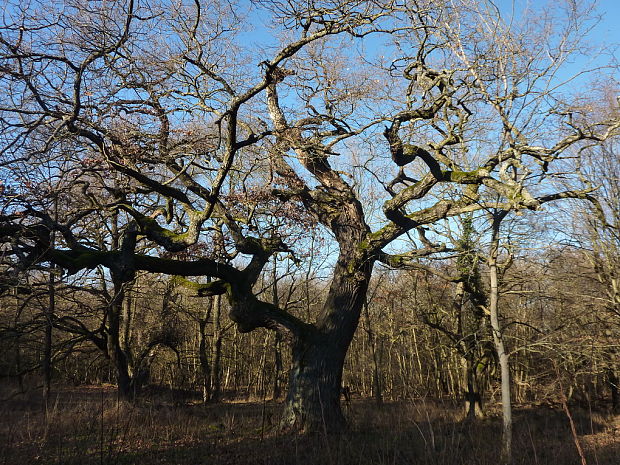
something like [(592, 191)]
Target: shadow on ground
[(91, 426)]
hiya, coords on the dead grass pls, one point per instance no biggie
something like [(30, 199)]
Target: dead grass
[(88, 425)]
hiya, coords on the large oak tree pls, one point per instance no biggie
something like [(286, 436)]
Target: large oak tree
[(196, 132)]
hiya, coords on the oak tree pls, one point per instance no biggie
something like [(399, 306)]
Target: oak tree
[(197, 139)]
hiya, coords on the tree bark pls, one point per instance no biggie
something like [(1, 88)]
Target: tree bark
[(216, 355), (313, 398), (205, 367), (318, 354), (499, 340), (126, 388), (47, 348), (472, 389)]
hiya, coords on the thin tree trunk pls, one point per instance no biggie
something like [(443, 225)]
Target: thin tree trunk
[(277, 366), (115, 349), (203, 353), (216, 376), (47, 339), (499, 340), (262, 370), (417, 356), (205, 368), (18, 364), (276, 390), (376, 377), (47, 342)]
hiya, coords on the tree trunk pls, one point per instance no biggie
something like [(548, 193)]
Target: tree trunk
[(612, 380), (205, 367), (216, 355), (377, 390), (203, 352), (123, 378), (277, 368), (47, 349), (472, 389), (18, 365), (115, 349), (318, 353), (498, 339), (313, 398), (49, 320)]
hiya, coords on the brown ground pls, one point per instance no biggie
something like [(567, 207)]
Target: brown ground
[(87, 425)]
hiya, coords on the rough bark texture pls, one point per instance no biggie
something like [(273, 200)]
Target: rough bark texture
[(313, 398), (318, 354)]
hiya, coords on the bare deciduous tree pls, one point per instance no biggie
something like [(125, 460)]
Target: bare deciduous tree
[(204, 143)]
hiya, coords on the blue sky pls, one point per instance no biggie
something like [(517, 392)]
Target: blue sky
[(605, 34), (609, 28)]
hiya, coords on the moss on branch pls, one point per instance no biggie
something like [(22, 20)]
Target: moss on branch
[(213, 288), (171, 241), (464, 177)]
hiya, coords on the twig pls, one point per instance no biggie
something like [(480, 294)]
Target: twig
[(574, 431)]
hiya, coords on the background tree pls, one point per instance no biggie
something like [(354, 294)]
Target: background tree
[(598, 234)]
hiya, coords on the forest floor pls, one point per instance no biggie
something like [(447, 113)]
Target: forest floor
[(88, 425)]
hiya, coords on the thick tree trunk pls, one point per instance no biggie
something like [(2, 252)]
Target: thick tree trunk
[(318, 354), (468, 327), (123, 378), (313, 398)]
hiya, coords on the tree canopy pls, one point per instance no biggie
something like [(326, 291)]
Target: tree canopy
[(161, 137)]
